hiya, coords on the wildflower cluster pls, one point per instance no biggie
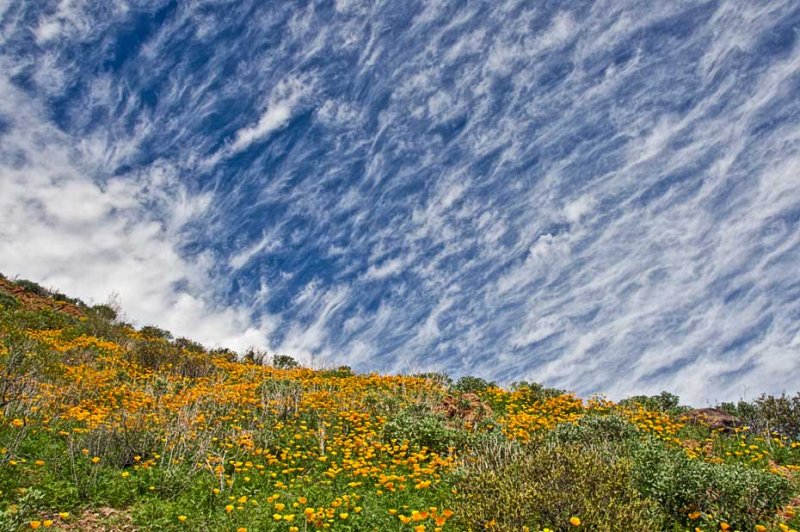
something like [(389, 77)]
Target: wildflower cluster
[(97, 414)]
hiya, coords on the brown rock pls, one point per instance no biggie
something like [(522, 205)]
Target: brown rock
[(714, 418)]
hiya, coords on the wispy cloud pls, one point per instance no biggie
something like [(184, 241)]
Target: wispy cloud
[(601, 197)]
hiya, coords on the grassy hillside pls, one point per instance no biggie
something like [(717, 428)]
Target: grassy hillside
[(106, 427)]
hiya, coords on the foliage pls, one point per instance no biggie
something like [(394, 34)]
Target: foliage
[(535, 391), (31, 287), (663, 402), (769, 414), (470, 384), (420, 428), (547, 484), (284, 362), (8, 301), (693, 491), (103, 426), (596, 429)]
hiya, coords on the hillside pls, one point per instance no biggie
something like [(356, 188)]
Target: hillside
[(108, 427)]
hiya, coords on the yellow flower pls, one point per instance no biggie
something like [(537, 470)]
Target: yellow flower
[(63, 515), (229, 508), (419, 528), (241, 529), (95, 459), (694, 515), (761, 528), (575, 521), (182, 518), (19, 423), (125, 474), (344, 515), (47, 523), (724, 526), (35, 524)]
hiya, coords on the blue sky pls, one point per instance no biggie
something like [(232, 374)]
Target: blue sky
[(602, 196)]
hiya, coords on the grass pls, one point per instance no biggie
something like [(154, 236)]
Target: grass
[(104, 427)]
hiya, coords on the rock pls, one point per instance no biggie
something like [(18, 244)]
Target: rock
[(714, 418)]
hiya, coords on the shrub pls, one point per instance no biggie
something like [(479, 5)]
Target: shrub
[(533, 391), (106, 312), (740, 495), (420, 428), (8, 301), (33, 288), (284, 362), (663, 402), (547, 484), (470, 384), (593, 428), (149, 331), (769, 414), (255, 356)]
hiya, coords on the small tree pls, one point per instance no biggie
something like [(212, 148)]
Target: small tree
[(284, 362)]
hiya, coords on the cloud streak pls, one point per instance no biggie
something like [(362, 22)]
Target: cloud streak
[(601, 196)]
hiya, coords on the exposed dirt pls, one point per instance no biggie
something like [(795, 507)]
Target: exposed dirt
[(467, 408), (101, 520), (35, 301)]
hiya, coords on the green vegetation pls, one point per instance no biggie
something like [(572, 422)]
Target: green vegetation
[(103, 426)]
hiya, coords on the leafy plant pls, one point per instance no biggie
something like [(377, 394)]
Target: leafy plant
[(549, 483), (741, 496)]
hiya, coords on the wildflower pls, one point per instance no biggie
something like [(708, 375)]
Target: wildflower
[(18, 423), (35, 524), (229, 508), (761, 528), (95, 459), (344, 515), (63, 515), (124, 474), (724, 526), (47, 523), (575, 521), (241, 529), (419, 528), (694, 515)]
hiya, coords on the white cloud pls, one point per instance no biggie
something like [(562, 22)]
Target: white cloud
[(283, 99), (60, 228)]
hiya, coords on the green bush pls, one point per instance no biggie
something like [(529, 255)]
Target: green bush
[(284, 362), (740, 495), (150, 331), (8, 301), (470, 384), (769, 414), (663, 402), (420, 428), (33, 288), (544, 485), (533, 391), (594, 428)]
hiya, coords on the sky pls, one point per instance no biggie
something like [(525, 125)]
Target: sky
[(602, 196)]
